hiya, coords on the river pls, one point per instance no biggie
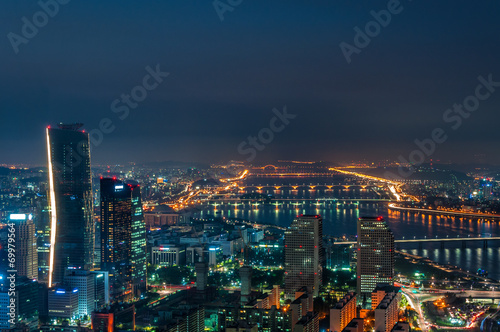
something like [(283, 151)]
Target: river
[(339, 220)]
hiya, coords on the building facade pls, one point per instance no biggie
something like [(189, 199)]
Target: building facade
[(84, 282), (5, 319), (168, 255), (387, 312), (375, 256), (63, 303), (70, 197), (26, 295), (304, 254), (123, 236), (26, 245), (101, 289), (343, 312)]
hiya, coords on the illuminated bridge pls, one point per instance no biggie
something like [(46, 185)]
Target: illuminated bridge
[(293, 201), (306, 187), (464, 241), (447, 213), (284, 174)]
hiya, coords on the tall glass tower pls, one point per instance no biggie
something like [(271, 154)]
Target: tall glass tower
[(304, 254), (70, 197), (123, 236), (375, 256)]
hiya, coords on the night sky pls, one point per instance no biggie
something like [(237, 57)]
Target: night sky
[(225, 78)]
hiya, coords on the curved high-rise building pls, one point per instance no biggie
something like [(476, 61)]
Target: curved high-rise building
[(70, 197)]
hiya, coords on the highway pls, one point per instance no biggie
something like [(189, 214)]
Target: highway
[(394, 187), (417, 297)]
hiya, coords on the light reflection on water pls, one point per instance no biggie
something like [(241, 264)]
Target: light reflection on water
[(342, 221)]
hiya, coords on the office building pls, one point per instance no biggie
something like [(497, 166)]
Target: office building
[(123, 236), (338, 256), (246, 283), (63, 303), (160, 216), (101, 289), (84, 282), (387, 312), (168, 255), (212, 255), (375, 256), (26, 245), (343, 312), (43, 299), (304, 254), (487, 190), (201, 275), (70, 197), (26, 296)]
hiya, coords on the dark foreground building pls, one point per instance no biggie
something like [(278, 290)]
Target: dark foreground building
[(70, 197), (123, 236)]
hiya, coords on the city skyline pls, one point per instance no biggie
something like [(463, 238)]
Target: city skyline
[(233, 165)]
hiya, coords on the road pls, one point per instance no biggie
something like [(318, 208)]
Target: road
[(489, 321), (414, 301), (416, 297), (394, 186)]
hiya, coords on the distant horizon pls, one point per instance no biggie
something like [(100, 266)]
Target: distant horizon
[(181, 81), (435, 164)]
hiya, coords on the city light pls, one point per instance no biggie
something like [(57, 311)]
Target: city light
[(53, 210)]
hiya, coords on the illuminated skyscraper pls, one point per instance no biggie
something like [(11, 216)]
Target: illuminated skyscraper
[(70, 197), (375, 255), (26, 248), (123, 236), (304, 254)]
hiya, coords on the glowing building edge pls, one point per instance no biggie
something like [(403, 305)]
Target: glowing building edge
[(53, 212)]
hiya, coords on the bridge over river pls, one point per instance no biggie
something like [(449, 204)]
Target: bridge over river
[(442, 241)]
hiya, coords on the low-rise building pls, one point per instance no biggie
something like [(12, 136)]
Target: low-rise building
[(168, 255)]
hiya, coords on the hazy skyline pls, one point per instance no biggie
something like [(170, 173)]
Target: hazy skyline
[(226, 77)]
